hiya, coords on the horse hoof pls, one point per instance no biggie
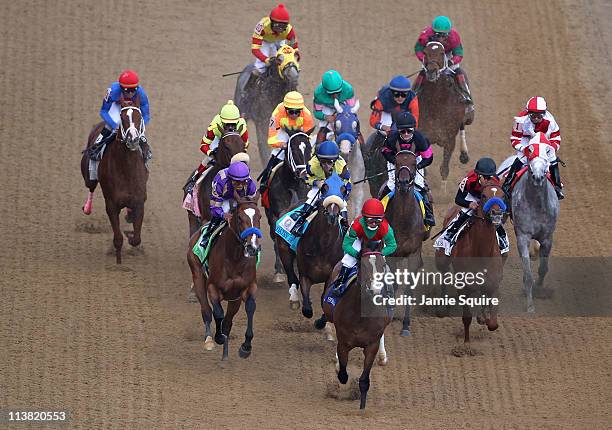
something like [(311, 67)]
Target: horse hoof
[(220, 339), (320, 323), (209, 345), (294, 305), (531, 309), (307, 312), (279, 278), (191, 297), (405, 332), (383, 361), (343, 377), (464, 157), (243, 352)]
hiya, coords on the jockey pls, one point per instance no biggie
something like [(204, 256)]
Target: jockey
[(407, 138), (468, 197), (227, 120), (371, 225), (441, 30), (320, 167), (332, 87), (534, 119), (391, 99), (270, 33), (234, 178), (127, 88), (290, 116)]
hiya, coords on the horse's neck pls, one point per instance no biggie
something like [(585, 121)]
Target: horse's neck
[(232, 244), (122, 156), (326, 235), (406, 206), (483, 239), (536, 197)]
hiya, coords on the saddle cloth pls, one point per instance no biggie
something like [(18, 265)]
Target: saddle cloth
[(286, 222), (332, 300), (201, 252), (387, 198)]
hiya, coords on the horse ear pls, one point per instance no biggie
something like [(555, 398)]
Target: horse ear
[(256, 196), (136, 100), (355, 108), (337, 106)]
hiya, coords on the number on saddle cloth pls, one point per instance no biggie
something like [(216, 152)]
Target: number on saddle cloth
[(203, 252)]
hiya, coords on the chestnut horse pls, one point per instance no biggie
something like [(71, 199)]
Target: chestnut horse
[(404, 214), (360, 317), (232, 276), (442, 110), (477, 252), (122, 173), (230, 144)]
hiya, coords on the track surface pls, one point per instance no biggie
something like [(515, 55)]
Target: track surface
[(119, 347)]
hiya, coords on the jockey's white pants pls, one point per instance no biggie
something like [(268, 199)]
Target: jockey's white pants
[(419, 180), (348, 260), (214, 144), (269, 49), (327, 111)]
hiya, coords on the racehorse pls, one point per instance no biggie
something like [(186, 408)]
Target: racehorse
[(477, 252), (535, 208), (442, 110), (287, 187), (122, 173), (375, 163), (319, 249), (404, 214), (359, 319), (346, 132), (230, 144), (231, 276), (258, 102)]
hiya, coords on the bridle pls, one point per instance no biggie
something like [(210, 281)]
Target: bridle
[(250, 247), (133, 135), (296, 168), (402, 183), (434, 45), (494, 217)]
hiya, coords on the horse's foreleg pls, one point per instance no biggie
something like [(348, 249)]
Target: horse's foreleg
[(467, 320), (232, 309), (249, 306), (449, 147), (278, 267), (287, 257), (464, 157), (522, 241), (113, 215), (364, 380), (342, 352), (305, 285), (90, 184), (545, 248), (194, 223), (137, 215), (218, 313), (199, 286)]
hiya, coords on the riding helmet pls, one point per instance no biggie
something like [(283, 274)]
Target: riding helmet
[(373, 208), (128, 79), (405, 120), (536, 104), (400, 83), (230, 114), (486, 167), (238, 171), (332, 81), (441, 24), (279, 14), (293, 100), (328, 150)]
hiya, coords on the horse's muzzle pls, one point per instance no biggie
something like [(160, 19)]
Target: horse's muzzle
[(251, 250), (496, 217)]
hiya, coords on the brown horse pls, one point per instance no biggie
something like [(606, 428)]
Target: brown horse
[(360, 317), (122, 173), (319, 249), (230, 144), (404, 214), (477, 252), (232, 274), (442, 110)]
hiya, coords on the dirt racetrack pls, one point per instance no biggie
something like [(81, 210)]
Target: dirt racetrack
[(119, 347)]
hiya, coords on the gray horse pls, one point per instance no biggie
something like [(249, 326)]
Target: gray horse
[(535, 208)]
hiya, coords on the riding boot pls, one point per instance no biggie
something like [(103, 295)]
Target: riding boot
[(418, 82), (452, 229), (502, 239), (516, 166), (265, 175), (429, 213), (299, 223), (212, 226), (556, 178), (103, 137), (465, 89), (340, 281)]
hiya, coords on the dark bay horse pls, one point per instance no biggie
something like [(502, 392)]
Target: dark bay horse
[(232, 275), (404, 214), (477, 252), (122, 173), (287, 187), (360, 320), (319, 249), (442, 110), (258, 102), (374, 162), (230, 144)]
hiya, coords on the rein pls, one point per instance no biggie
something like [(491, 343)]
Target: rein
[(138, 133)]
